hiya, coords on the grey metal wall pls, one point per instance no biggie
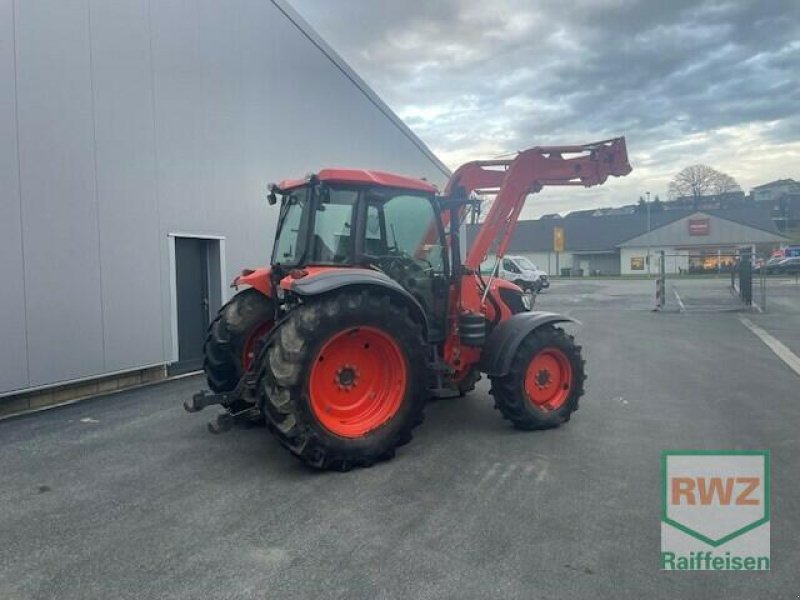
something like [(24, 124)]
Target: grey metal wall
[(122, 121), (606, 264)]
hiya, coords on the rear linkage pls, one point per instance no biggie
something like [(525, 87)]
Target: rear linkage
[(225, 421)]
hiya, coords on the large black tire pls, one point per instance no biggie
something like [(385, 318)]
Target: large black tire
[(287, 369), (509, 392), (227, 335)]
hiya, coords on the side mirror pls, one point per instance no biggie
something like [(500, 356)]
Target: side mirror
[(272, 199), (324, 195), (324, 198)]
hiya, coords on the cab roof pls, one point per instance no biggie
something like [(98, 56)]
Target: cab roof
[(363, 176)]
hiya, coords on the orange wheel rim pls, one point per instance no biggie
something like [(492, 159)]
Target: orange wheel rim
[(548, 379), (249, 350), (357, 381)]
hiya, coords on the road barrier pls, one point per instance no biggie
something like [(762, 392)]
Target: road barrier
[(683, 266)]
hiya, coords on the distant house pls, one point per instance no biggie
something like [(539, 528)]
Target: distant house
[(782, 199), (722, 201), (774, 190), (693, 240)]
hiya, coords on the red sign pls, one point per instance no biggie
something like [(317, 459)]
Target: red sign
[(699, 226)]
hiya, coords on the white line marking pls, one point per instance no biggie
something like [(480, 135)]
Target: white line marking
[(774, 344), (510, 470), (489, 474), (678, 298)]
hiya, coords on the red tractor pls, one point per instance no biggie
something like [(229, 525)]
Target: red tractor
[(368, 310)]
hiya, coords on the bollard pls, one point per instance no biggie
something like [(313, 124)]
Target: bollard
[(746, 277), (661, 282)]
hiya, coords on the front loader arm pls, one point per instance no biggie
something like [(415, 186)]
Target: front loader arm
[(528, 173)]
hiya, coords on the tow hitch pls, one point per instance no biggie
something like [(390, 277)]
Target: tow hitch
[(223, 422), (206, 398)]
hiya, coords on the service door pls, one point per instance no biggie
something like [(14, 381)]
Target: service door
[(192, 295)]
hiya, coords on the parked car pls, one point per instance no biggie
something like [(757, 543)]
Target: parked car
[(788, 266), (520, 270), (771, 265)]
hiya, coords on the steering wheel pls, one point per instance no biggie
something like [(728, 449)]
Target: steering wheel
[(401, 263), (412, 262)]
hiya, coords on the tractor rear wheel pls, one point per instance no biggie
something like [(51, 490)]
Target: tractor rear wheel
[(342, 382), (231, 342), (545, 382)]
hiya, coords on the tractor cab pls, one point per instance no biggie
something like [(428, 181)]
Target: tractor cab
[(344, 219)]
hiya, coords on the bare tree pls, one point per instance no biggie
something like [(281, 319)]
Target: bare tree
[(701, 180), (724, 184), (692, 182)]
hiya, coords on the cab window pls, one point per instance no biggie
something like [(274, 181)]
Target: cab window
[(409, 228), (288, 249), (332, 238)]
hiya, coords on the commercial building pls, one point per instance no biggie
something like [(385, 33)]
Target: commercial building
[(628, 244), (137, 139)]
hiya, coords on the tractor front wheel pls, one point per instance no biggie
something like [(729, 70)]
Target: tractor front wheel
[(544, 383), (342, 382)]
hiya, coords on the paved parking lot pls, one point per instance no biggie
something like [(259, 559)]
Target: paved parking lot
[(128, 497)]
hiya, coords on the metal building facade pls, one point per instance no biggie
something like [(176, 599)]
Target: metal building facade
[(127, 123)]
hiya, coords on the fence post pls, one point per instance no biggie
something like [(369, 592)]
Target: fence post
[(661, 282), (746, 276)]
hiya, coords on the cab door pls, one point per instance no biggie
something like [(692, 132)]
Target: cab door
[(403, 237)]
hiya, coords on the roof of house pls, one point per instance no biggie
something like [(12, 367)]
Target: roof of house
[(777, 182), (586, 233)]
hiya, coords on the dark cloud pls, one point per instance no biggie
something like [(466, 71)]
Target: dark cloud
[(685, 81)]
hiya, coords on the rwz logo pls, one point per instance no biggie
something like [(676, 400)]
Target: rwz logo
[(715, 501), (704, 490)]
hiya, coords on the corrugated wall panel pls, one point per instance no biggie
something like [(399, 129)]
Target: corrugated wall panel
[(126, 184), (13, 347), (138, 119), (177, 84), (56, 156)]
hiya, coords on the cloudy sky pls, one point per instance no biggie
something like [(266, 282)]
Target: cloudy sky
[(685, 81)]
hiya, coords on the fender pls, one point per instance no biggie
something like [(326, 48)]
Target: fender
[(502, 343), (326, 279), (255, 278)]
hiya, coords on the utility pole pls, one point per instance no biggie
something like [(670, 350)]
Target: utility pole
[(647, 205)]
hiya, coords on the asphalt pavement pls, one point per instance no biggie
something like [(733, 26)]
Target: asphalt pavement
[(128, 496)]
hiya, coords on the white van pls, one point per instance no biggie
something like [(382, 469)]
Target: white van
[(519, 270)]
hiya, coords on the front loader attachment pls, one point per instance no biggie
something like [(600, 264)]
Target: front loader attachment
[(513, 179)]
